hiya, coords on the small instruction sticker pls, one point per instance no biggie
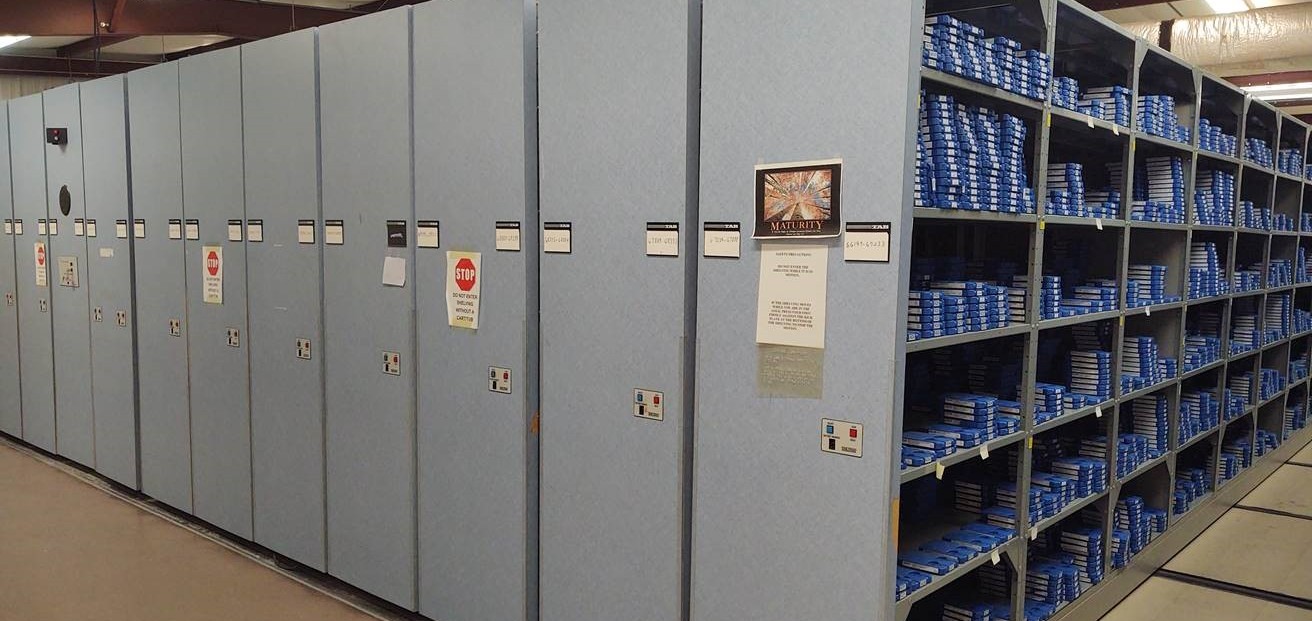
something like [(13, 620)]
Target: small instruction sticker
[(428, 234), (507, 236), (557, 237), (867, 241), (662, 239), (255, 231), (722, 239), (305, 231)]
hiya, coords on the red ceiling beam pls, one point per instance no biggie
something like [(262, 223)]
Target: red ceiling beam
[(203, 48), (1263, 79), (73, 67), (90, 45), (117, 13), (234, 18)]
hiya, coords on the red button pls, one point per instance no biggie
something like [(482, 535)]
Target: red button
[(505, 375), (852, 432), (656, 400)]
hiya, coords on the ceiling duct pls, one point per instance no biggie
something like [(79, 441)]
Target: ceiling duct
[(1251, 36)]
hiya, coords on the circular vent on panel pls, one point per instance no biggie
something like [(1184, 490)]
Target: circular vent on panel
[(65, 201)]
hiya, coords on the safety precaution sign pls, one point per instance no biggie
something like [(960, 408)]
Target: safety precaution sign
[(40, 250), (463, 284), (212, 270)]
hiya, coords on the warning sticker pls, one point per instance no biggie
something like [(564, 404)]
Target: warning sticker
[(463, 284), (40, 251), (212, 270)]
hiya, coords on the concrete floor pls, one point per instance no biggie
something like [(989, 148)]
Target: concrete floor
[(71, 552), (1247, 566)]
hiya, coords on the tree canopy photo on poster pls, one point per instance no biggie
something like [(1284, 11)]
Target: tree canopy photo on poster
[(798, 200)]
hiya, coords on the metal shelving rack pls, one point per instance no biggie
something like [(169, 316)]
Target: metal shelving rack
[(1147, 68)]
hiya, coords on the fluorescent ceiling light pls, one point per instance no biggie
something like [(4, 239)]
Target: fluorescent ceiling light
[(8, 40), (1282, 92), (1227, 6)]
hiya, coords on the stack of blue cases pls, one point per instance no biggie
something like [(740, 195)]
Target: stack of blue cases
[(1290, 161), (1214, 197), (1090, 474), (1150, 419), (967, 410), (1159, 191), (1049, 297), (1112, 101), (910, 581), (1200, 350), (1085, 544), (1049, 402), (1199, 411), (1090, 373), (1279, 316), (1279, 273), (1066, 93), (1205, 271), (1157, 116), (1214, 139), (1066, 190), (1295, 418), (955, 47), (973, 158), (1139, 362), (1247, 279), (1258, 151), (1150, 286)]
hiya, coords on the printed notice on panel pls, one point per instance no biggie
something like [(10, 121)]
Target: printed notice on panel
[(40, 250), (212, 266), (790, 304), (463, 284)]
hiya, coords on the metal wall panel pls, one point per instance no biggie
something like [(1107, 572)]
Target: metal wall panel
[(11, 406), (36, 348), (70, 311), (160, 272), (109, 259), (280, 120), (765, 494), (214, 196), (476, 508), (613, 82), (364, 84)]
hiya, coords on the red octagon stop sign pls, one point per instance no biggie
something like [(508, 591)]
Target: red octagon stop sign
[(212, 263), (466, 275), (40, 256)]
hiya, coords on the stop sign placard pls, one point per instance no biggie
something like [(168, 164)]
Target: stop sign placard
[(40, 255), (212, 263), (466, 274)]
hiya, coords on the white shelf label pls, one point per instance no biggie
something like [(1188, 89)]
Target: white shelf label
[(507, 236), (557, 237), (867, 241), (722, 239), (662, 239)]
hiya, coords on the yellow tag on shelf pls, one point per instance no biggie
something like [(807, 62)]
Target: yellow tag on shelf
[(1097, 411), (1034, 533), (1048, 118), (1132, 141), (1029, 442), (1042, 224), (1122, 322), (984, 452), (939, 469), (995, 557)]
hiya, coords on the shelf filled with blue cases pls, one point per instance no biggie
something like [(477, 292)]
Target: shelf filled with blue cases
[(1109, 274)]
